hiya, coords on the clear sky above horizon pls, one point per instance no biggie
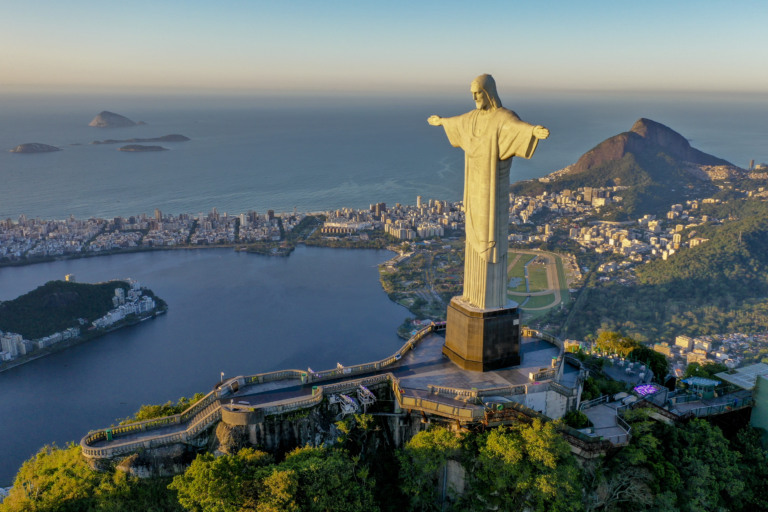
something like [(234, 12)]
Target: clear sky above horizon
[(397, 47)]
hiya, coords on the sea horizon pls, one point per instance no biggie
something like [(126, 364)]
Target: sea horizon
[(314, 153)]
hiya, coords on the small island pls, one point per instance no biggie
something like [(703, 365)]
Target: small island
[(174, 137), (34, 147), (106, 119), (138, 148), (60, 314)]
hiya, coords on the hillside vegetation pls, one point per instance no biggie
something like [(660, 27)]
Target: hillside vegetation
[(716, 287), (56, 306), (524, 466)]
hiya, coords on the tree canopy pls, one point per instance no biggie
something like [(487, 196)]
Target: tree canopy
[(309, 479), (59, 480), (56, 306), (526, 465)]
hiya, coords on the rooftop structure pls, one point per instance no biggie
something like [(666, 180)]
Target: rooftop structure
[(746, 376)]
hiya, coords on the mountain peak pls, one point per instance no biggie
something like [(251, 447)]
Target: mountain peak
[(649, 138), (661, 135)]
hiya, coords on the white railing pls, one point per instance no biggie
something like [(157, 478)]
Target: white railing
[(583, 406)]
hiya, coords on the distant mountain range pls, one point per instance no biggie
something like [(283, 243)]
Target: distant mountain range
[(657, 163)]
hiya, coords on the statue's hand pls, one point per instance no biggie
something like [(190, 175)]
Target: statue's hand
[(540, 132), (435, 120)]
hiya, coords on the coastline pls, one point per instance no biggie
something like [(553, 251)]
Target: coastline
[(89, 336), (284, 252), (112, 252)]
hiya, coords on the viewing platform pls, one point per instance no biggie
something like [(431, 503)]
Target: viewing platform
[(421, 378)]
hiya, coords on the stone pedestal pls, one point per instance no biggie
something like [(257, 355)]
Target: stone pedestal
[(482, 339)]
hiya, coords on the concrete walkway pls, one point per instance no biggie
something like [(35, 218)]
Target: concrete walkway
[(416, 371), (603, 418), (422, 367)]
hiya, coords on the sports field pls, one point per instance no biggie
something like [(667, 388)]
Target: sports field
[(537, 280)]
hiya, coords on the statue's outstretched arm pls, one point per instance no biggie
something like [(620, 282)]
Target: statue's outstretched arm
[(435, 120)]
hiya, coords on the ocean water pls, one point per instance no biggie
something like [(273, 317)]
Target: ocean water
[(314, 154)]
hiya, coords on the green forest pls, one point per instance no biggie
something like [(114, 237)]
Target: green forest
[(524, 466), (56, 306)]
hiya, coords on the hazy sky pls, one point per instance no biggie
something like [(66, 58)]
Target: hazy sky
[(394, 46)]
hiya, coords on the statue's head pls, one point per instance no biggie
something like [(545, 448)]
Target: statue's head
[(484, 92)]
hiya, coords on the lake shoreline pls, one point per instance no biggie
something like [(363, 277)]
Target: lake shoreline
[(78, 340)]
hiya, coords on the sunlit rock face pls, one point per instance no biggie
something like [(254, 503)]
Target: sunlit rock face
[(645, 137)]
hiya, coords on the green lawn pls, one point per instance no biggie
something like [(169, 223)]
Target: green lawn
[(561, 277), (536, 301), (518, 270), (540, 301), (537, 277)]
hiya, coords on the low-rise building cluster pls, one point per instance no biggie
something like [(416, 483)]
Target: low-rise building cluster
[(733, 350), (132, 303), (214, 228), (35, 238), (427, 219), (14, 345)]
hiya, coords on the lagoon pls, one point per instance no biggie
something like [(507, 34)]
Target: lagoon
[(228, 311)]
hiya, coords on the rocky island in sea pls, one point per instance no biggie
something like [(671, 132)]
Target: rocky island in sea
[(138, 148), (34, 147), (174, 137), (106, 119)]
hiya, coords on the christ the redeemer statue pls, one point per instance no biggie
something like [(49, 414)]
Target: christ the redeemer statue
[(490, 136), (483, 331)]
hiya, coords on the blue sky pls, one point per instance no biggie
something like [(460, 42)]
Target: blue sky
[(398, 47)]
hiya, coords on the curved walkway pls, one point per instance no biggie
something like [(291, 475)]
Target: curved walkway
[(421, 379)]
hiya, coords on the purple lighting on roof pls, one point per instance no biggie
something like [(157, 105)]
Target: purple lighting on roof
[(646, 389)]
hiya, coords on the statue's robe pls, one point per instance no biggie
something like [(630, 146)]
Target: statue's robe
[(489, 138)]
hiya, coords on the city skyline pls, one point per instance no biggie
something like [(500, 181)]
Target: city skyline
[(395, 48)]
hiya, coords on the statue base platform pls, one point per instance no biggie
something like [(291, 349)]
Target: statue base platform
[(482, 339)]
